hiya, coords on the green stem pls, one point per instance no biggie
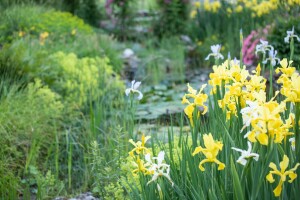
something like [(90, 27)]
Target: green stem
[(271, 82), (264, 65), (297, 131), (292, 48), (241, 46)]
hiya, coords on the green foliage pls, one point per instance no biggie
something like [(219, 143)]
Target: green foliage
[(66, 74), (37, 103), (86, 10), (89, 11), (164, 60), (48, 186), (172, 19), (78, 77), (27, 127), (202, 49), (222, 26), (9, 183), (122, 13), (279, 31), (17, 21), (44, 186)]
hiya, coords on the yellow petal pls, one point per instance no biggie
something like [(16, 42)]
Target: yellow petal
[(292, 177), (263, 138), (221, 166), (273, 166), (294, 168), (202, 87), (258, 69), (208, 141), (205, 109), (189, 110), (284, 164), (202, 162), (270, 178), (132, 142), (197, 150), (284, 63), (185, 100), (278, 189), (191, 90)]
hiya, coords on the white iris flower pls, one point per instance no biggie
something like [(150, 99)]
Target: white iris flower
[(291, 34), (158, 169), (272, 58), (133, 89), (263, 47), (246, 154), (215, 52)]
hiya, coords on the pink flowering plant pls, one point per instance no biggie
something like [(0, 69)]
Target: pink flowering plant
[(249, 45)]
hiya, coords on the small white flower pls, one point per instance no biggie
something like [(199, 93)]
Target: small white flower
[(292, 141), (158, 169), (215, 52), (291, 34), (133, 89), (246, 154), (263, 47), (249, 113), (272, 58)]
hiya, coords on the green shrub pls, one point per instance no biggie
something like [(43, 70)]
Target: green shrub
[(173, 18), (19, 20), (28, 118), (82, 80)]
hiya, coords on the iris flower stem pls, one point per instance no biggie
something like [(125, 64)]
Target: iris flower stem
[(216, 61), (264, 65), (292, 48), (241, 46), (131, 119), (212, 178), (297, 131), (271, 82)]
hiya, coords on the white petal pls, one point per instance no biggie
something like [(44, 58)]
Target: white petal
[(249, 146), (255, 156), (147, 158), (242, 161), (208, 56), (132, 84), (286, 39), (127, 91), (160, 157), (236, 149), (136, 85), (140, 95), (273, 62), (221, 56)]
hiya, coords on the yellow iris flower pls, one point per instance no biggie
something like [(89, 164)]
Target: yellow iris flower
[(211, 151), (283, 173), (199, 100), (139, 146), (140, 166)]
